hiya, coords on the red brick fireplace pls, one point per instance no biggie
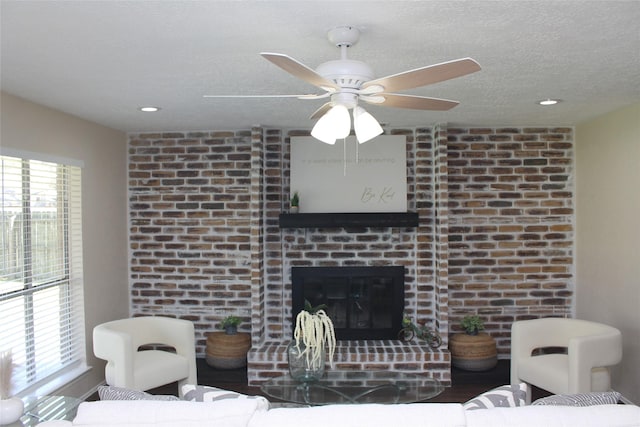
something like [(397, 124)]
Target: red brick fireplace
[(410, 247)]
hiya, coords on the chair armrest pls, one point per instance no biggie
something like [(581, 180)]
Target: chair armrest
[(525, 337), (592, 351), (183, 339), (116, 348)]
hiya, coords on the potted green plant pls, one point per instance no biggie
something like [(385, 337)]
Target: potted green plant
[(230, 324), (472, 325), (313, 332), (474, 350), (294, 203)]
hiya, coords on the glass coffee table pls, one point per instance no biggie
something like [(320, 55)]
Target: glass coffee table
[(349, 387), (46, 408)]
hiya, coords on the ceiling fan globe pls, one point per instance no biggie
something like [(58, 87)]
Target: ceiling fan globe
[(365, 125), (335, 124)]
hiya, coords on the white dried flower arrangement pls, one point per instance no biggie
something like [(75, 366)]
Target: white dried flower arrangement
[(6, 371), (315, 330)]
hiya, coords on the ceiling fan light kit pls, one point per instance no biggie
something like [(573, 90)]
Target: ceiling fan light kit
[(336, 124), (347, 82)]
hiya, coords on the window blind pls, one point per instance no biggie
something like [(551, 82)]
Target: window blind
[(41, 282)]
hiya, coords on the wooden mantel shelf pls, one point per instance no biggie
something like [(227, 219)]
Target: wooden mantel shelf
[(350, 219)]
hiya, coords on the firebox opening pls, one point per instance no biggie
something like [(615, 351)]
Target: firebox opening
[(364, 303)]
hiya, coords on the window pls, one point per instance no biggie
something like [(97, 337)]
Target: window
[(41, 302)]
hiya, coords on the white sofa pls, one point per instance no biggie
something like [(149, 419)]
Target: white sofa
[(250, 413)]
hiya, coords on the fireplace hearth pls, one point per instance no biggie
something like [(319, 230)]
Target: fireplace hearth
[(364, 303)]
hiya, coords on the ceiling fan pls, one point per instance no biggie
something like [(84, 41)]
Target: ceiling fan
[(348, 82)]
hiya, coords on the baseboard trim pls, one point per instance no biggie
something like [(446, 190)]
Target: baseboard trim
[(91, 391)]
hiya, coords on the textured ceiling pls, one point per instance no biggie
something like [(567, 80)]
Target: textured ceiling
[(100, 60)]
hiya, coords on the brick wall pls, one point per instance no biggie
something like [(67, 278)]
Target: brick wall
[(511, 223), (190, 205), (495, 234)]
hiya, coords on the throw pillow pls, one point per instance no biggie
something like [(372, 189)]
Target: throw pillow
[(119, 393), (202, 393), (582, 399), (499, 397)]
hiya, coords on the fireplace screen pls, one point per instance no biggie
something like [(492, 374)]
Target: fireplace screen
[(364, 303)]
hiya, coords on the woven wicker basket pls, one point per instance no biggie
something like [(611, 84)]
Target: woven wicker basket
[(473, 352), (227, 351)]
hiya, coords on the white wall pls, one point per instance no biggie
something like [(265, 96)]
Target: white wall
[(608, 233), (32, 127)]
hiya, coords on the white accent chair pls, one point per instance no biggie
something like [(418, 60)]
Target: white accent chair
[(591, 349), (118, 343)]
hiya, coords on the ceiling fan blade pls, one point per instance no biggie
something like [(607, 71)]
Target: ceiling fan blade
[(321, 111), (315, 96), (425, 75), (410, 101), (299, 70), (305, 96)]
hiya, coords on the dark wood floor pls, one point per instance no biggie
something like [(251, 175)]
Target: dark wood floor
[(465, 384)]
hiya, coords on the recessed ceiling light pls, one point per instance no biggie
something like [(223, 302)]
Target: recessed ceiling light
[(149, 109), (548, 101)]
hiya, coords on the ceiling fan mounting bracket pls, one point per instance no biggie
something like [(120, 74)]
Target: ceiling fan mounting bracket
[(344, 36), (344, 72)]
